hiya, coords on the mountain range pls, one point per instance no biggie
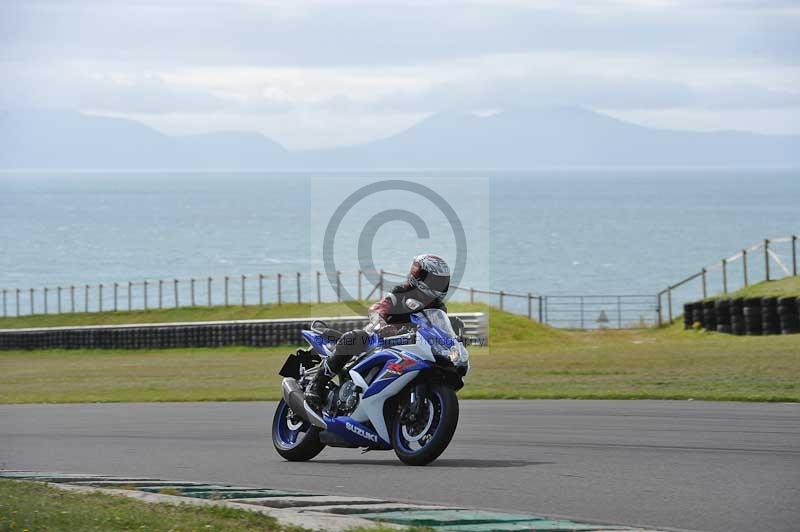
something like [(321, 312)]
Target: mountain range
[(520, 139)]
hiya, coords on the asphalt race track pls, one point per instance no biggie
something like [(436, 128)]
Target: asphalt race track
[(669, 464)]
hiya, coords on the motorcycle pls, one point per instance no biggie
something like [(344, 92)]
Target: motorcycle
[(400, 394)]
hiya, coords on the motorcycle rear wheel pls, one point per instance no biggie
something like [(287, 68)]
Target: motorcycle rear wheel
[(293, 439), (423, 441)]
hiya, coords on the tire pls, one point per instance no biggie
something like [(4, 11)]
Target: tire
[(305, 448), (723, 310), (709, 316), (443, 400)]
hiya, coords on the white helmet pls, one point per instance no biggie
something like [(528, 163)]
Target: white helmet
[(430, 275)]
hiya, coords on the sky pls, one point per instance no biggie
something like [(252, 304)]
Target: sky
[(313, 73)]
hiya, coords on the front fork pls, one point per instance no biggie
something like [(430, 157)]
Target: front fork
[(417, 396)]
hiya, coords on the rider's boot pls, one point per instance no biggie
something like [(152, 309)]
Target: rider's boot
[(350, 344), (316, 389)]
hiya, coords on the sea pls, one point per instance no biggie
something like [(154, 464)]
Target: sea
[(556, 232)]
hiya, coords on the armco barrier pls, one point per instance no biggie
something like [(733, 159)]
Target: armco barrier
[(753, 316), (255, 333)]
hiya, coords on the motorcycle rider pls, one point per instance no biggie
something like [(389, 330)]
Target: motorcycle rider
[(427, 282)]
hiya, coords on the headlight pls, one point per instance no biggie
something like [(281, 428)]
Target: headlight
[(455, 354), (458, 354)]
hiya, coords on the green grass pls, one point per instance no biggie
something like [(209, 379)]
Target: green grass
[(27, 506), (184, 314), (525, 360), (788, 286), (35, 506)]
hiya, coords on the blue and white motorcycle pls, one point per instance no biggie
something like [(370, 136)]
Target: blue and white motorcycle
[(400, 394)]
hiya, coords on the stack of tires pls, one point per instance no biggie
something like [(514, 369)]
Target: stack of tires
[(752, 316), (737, 316), (688, 315), (709, 316), (789, 314), (769, 316), (722, 308)]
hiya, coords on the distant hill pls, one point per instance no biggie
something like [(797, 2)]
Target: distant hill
[(564, 137), (63, 139), (557, 137)]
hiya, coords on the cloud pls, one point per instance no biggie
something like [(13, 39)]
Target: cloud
[(375, 66), (329, 34), (74, 86)]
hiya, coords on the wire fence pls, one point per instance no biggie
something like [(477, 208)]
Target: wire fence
[(769, 259), (581, 311)]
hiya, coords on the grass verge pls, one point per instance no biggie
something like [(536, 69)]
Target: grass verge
[(788, 286), (188, 314), (525, 360), (531, 362), (35, 506)]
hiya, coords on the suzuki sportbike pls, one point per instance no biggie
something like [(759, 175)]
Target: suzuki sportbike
[(400, 394)]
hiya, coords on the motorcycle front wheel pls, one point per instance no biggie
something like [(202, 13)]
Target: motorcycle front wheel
[(420, 441), (294, 438)]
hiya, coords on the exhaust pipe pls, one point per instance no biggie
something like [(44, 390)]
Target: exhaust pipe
[(295, 398)]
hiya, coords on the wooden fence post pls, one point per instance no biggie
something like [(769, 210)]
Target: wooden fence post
[(319, 296), (116, 288), (86, 298), (280, 297), (130, 289), (724, 276), (208, 290), (175, 289), (191, 290), (744, 266), (359, 285), (261, 289), (160, 293), (794, 254), (338, 285), (145, 294), (705, 290), (529, 305), (59, 299), (100, 297), (669, 304), (44, 292), (658, 308), (244, 299), (766, 258), (299, 297), (31, 301), (501, 299), (226, 290)]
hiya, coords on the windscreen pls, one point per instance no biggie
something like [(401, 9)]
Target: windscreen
[(439, 319)]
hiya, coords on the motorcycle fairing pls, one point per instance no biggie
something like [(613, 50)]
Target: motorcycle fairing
[(356, 433), (398, 366), (317, 342), (393, 363)]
